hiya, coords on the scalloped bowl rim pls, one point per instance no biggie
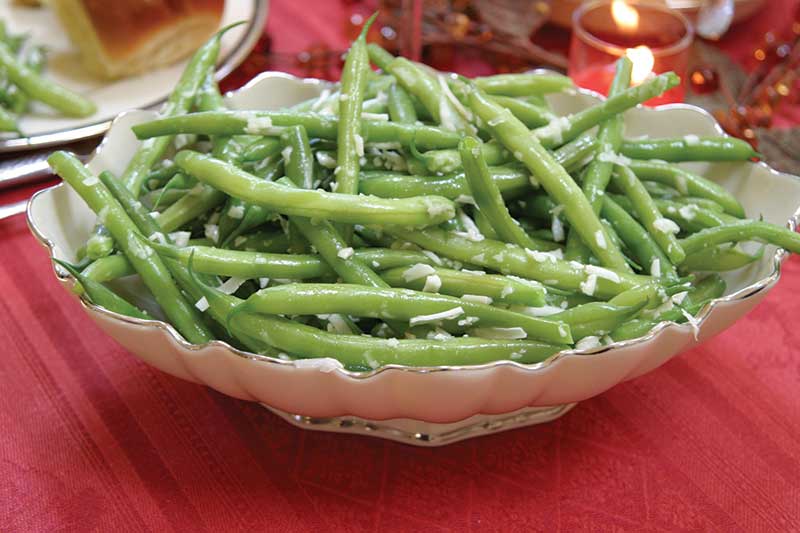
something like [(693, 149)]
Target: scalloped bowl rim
[(746, 292)]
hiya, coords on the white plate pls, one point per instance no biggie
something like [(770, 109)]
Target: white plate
[(435, 405), (44, 126)]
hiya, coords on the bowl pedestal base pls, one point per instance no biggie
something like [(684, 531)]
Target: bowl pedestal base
[(418, 433)]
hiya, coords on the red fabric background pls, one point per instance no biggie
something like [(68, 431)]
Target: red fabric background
[(94, 440)]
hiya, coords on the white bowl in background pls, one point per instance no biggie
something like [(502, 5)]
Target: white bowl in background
[(432, 405)]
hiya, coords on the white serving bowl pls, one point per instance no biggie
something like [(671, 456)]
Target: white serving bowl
[(434, 405)]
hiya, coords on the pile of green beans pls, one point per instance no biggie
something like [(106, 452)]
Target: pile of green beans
[(22, 81), (409, 217)]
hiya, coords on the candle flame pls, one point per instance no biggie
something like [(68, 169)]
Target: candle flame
[(625, 16), (643, 63)]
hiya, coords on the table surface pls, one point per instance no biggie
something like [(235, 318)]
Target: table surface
[(95, 440)]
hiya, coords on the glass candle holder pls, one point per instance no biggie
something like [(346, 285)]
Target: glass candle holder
[(656, 39)]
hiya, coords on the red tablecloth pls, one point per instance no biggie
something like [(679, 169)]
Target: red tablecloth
[(94, 440)]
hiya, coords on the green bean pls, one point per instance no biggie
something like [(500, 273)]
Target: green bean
[(661, 229), (596, 318), (364, 353), (321, 126), (223, 305), (401, 108), (43, 89), (598, 173), (567, 128), (159, 177), (690, 148), (509, 259), (150, 268), (315, 204), (101, 295), (552, 177), (109, 268), (529, 114), (396, 185), (100, 244), (484, 225), (424, 86), (7, 121), (398, 304), (261, 241), (641, 244), (487, 195), (177, 104), (262, 148), (16, 99), (687, 183), (334, 250), (744, 230), (350, 144), (692, 218), (707, 289), (300, 161), (523, 84), (459, 283), (198, 201), (719, 259), (252, 265)]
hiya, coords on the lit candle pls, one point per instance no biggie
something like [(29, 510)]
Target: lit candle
[(654, 38)]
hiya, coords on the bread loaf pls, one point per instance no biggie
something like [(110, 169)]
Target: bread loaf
[(120, 38)]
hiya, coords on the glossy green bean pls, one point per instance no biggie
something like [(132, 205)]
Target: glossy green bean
[(662, 230), (641, 244), (598, 173), (744, 230), (150, 268), (687, 183), (529, 114), (42, 89), (349, 143), (523, 84), (509, 259), (689, 148), (397, 304), (101, 295), (552, 177), (401, 108), (321, 126), (504, 289), (487, 195), (314, 203), (109, 268), (567, 128), (719, 259), (262, 148)]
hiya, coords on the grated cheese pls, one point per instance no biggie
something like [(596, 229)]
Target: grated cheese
[(435, 317)]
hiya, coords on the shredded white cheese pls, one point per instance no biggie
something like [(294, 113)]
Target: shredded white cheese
[(692, 322), (688, 212), (337, 324), (345, 253), (655, 268), (474, 272), (665, 225), (394, 343), (601, 272), (691, 140), (433, 257), (508, 290), (420, 270), (468, 321), (544, 310), (263, 282), (587, 343), (554, 131), (286, 154), (432, 283), (435, 317), (557, 227), (202, 304), (600, 239), (326, 160), (589, 286), (211, 231), (180, 238), (465, 199), (541, 257), (477, 299), (231, 285), (611, 157), (500, 333), (323, 364), (236, 212), (258, 125), (358, 140), (375, 116)]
